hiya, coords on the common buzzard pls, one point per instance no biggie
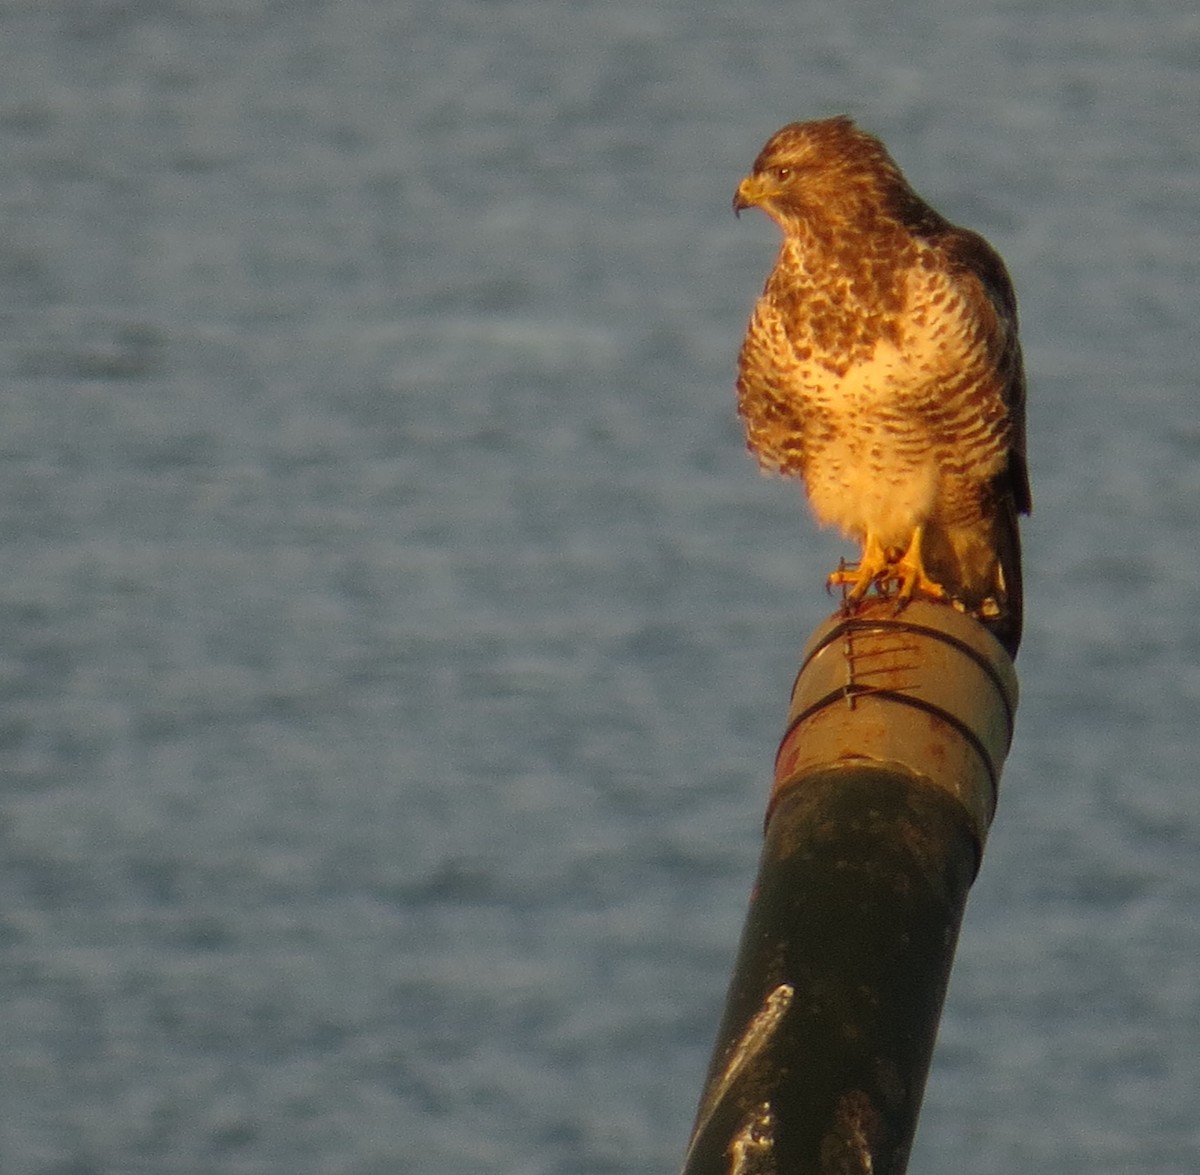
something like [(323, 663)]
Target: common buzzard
[(882, 366)]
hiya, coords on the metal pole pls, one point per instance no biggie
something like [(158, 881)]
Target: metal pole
[(885, 787)]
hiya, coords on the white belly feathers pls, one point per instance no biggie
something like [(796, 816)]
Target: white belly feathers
[(874, 465)]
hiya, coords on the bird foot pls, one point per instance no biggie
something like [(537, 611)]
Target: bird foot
[(894, 573), (899, 579), (911, 580), (860, 578)]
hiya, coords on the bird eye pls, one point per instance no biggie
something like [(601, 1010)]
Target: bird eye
[(782, 173)]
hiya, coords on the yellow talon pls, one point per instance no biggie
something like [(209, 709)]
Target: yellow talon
[(876, 568), (910, 571), (873, 567)]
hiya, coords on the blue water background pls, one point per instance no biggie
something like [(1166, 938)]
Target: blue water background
[(395, 637)]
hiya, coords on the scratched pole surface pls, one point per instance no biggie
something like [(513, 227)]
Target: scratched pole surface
[(885, 788)]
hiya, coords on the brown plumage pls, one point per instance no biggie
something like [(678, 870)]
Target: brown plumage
[(882, 365)]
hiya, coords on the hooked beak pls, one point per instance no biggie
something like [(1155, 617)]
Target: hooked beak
[(751, 192)]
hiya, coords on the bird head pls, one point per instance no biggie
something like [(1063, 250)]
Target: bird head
[(822, 169)]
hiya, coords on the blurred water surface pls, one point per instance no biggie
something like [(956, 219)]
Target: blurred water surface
[(394, 636)]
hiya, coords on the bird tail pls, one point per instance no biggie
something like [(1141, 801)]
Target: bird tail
[(979, 567), (1006, 627)]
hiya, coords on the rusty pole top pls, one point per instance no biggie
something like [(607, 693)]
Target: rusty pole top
[(927, 690)]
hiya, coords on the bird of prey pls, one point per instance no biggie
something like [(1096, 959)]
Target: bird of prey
[(882, 366)]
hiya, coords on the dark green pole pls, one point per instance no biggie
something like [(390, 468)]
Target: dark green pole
[(885, 788)]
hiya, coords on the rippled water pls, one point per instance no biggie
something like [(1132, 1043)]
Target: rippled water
[(395, 636)]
